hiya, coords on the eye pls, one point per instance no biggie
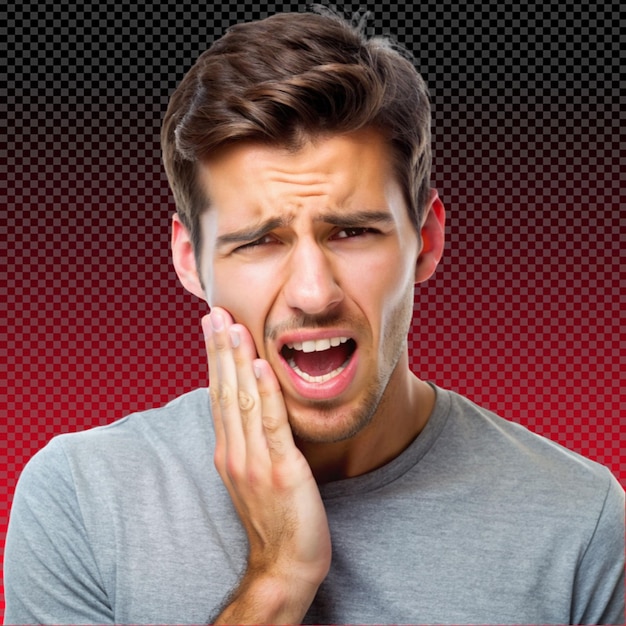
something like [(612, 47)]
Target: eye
[(261, 241), (354, 231)]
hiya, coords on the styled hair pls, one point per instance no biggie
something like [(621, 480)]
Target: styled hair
[(288, 78)]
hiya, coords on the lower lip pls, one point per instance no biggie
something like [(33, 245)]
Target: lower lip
[(327, 390)]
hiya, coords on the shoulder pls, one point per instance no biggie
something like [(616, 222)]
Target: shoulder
[(133, 444), (89, 496), (523, 464), (102, 476), (184, 419)]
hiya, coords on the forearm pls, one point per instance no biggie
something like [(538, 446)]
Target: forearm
[(267, 599)]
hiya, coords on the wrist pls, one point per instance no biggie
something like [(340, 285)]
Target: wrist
[(264, 598)]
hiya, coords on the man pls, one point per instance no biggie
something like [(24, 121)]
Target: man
[(321, 480)]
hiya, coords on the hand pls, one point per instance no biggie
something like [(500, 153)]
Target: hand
[(268, 479)]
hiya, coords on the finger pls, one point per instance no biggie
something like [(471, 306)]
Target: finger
[(223, 387), (274, 413), (220, 436), (249, 400), (209, 345)]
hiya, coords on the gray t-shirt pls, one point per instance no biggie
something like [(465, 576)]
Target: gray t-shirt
[(477, 521)]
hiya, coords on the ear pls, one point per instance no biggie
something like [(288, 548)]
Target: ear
[(184, 258), (432, 233)]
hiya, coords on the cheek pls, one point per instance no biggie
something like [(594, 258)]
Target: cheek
[(247, 294), (388, 294), (386, 277)]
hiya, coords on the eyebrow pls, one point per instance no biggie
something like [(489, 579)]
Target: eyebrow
[(254, 232), (355, 219), (349, 220)]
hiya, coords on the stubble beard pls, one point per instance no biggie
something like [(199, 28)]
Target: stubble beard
[(334, 427)]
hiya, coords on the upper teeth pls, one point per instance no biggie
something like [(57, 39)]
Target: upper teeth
[(317, 345)]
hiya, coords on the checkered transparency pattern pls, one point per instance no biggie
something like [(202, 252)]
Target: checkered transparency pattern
[(524, 315)]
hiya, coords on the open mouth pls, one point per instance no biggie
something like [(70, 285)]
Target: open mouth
[(317, 361)]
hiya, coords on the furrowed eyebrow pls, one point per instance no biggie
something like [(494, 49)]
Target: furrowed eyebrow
[(255, 232), (357, 219), (345, 220)]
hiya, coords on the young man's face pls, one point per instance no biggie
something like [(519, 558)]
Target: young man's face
[(315, 254)]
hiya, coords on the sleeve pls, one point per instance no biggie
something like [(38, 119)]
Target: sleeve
[(50, 573), (599, 584)]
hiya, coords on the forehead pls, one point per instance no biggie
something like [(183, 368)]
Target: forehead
[(338, 168)]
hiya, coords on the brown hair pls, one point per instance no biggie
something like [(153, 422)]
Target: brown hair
[(289, 77)]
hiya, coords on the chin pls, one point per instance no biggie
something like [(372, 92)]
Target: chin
[(330, 422)]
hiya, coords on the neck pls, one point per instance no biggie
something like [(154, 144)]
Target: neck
[(401, 415)]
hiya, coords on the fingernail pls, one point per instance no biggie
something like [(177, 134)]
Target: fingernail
[(217, 323), (235, 339), (256, 368)]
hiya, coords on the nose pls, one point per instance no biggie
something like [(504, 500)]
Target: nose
[(311, 285)]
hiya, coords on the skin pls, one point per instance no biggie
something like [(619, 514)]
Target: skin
[(301, 246)]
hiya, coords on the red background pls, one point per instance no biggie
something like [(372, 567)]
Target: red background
[(524, 315)]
